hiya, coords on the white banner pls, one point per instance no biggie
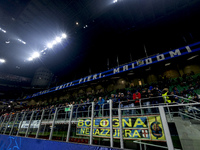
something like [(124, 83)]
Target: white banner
[(34, 124)]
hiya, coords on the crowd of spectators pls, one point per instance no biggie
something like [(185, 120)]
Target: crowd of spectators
[(152, 94)]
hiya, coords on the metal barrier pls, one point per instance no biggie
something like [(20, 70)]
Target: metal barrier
[(50, 118)]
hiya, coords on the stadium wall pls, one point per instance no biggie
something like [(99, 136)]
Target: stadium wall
[(21, 143)]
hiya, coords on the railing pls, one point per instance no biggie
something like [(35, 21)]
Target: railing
[(49, 123)]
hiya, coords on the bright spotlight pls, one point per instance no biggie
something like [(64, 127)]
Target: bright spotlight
[(64, 36), (49, 45), (2, 60), (58, 39), (114, 1), (36, 55), (30, 59), (54, 42)]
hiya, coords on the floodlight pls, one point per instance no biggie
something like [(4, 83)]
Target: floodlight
[(58, 39), (115, 1), (2, 60), (30, 59), (49, 45), (54, 42), (64, 36), (35, 55)]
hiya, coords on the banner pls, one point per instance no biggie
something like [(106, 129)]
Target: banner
[(34, 124), (133, 65), (141, 128)]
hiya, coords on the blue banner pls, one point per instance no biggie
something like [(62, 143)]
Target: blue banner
[(133, 65), (22, 143)]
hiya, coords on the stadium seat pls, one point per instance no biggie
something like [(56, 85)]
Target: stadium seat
[(86, 141)]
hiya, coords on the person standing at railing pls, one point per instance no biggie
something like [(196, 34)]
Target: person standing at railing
[(74, 109), (129, 102), (136, 98), (155, 93), (115, 104), (96, 107), (174, 99), (105, 106), (124, 101), (100, 103), (165, 96), (80, 108), (87, 104), (145, 101)]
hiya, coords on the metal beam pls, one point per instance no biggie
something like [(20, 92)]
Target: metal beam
[(166, 128), (20, 124), (69, 126), (29, 124), (111, 125), (13, 124), (40, 124), (53, 123), (91, 124), (120, 128), (7, 124)]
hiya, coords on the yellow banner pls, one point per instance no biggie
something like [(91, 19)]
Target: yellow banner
[(156, 128)]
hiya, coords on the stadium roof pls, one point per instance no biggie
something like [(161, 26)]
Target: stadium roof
[(98, 31)]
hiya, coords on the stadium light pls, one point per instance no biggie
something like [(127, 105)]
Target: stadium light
[(36, 55), (54, 42), (30, 59), (114, 1), (58, 39), (64, 36), (50, 45), (2, 60)]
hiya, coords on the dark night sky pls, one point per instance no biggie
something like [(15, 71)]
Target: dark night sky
[(114, 30)]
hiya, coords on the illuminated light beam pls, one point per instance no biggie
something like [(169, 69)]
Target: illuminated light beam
[(2, 30), (23, 42), (2, 60), (30, 59)]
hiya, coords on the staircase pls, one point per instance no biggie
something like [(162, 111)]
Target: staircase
[(188, 128)]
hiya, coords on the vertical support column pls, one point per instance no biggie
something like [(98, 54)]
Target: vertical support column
[(20, 124), (102, 110), (2, 123), (140, 100), (166, 128), (69, 126), (91, 127), (29, 124), (13, 124), (169, 112), (7, 124), (53, 123), (40, 124), (120, 128), (111, 125), (140, 145)]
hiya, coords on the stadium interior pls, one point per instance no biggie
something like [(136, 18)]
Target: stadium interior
[(109, 49)]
